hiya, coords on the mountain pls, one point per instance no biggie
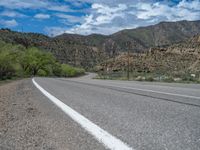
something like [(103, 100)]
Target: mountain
[(87, 51), (142, 38), (72, 50), (175, 60), (162, 34)]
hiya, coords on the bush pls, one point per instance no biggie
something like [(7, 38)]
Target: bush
[(69, 71), (42, 73), (79, 71), (151, 79), (188, 78), (198, 81), (169, 79)]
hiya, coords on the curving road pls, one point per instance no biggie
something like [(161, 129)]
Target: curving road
[(140, 115)]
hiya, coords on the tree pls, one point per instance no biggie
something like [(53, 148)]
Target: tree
[(35, 60)]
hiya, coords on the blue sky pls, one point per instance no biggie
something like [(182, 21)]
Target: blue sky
[(54, 17)]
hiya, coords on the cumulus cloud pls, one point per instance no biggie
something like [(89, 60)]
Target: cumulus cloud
[(42, 16), (183, 11), (100, 17), (107, 17), (104, 16), (8, 23)]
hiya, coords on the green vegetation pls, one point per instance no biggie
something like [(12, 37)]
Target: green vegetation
[(69, 71), (144, 76), (16, 61)]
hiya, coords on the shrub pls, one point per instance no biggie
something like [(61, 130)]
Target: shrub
[(169, 79), (151, 79), (69, 71), (42, 73)]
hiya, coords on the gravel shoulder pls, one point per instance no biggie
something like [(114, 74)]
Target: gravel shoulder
[(28, 120)]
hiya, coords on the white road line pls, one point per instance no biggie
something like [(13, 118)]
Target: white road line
[(101, 135)]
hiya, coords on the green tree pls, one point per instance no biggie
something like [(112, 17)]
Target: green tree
[(8, 60), (34, 60)]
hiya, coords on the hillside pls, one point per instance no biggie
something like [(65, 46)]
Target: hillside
[(87, 51), (162, 34), (142, 38), (176, 60), (70, 51)]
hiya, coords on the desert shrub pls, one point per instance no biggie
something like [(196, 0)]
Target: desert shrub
[(69, 71), (79, 71), (151, 79), (169, 79), (198, 81), (188, 78)]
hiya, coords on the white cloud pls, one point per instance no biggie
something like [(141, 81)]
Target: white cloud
[(195, 4), (183, 11), (107, 17), (111, 2), (12, 14), (60, 8), (16, 4), (100, 17), (8, 23), (36, 4), (42, 16), (105, 9), (69, 18)]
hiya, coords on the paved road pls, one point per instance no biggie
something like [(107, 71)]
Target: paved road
[(145, 116)]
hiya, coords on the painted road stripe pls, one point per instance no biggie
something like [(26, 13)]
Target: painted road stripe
[(101, 135)]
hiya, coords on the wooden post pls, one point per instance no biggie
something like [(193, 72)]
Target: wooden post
[(128, 60)]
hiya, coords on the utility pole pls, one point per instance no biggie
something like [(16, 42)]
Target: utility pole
[(128, 74), (128, 60)]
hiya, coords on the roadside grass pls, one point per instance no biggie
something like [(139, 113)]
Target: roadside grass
[(149, 77)]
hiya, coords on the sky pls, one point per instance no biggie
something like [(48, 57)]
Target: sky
[(55, 17)]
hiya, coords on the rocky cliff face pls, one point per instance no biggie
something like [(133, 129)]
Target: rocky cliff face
[(180, 58)]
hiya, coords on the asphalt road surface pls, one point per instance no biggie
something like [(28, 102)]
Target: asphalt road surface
[(137, 115)]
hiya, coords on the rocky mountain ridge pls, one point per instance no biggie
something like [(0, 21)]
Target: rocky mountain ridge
[(87, 51), (177, 59)]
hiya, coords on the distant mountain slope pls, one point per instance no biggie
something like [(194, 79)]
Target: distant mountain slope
[(177, 59), (162, 34), (90, 50), (142, 38)]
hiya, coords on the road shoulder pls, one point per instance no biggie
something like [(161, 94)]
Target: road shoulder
[(28, 120)]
